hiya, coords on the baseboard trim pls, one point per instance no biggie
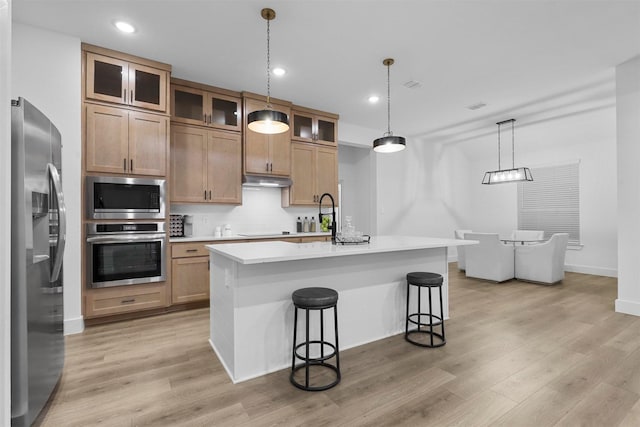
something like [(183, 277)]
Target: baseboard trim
[(74, 326), (628, 307), (597, 271)]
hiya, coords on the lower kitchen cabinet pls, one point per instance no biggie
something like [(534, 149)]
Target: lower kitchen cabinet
[(125, 299), (189, 279)]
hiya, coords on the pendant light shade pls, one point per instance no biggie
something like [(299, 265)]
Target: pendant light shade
[(268, 121), (514, 174), (389, 143)]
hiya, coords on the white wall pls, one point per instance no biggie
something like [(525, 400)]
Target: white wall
[(354, 171), (628, 121), (5, 212), (46, 71)]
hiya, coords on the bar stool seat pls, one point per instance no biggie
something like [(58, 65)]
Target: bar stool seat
[(320, 299), (425, 280)]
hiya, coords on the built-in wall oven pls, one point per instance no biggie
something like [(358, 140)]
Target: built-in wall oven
[(125, 253), (109, 197)]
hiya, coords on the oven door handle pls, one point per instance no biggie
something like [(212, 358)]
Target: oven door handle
[(125, 238)]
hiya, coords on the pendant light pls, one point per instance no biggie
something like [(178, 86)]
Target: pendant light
[(268, 120), (389, 143), (514, 174)]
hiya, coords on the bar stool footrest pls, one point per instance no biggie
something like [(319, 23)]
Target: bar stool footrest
[(315, 388), (316, 359), (430, 316)]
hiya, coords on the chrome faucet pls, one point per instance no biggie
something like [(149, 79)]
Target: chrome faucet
[(333, 216)]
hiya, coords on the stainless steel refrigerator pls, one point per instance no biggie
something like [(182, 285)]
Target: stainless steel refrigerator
[(37, 247)]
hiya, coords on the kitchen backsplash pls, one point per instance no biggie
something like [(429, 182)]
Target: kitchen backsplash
[(261, 211)]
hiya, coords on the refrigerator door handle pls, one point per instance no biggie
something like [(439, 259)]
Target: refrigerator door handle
[(62, 222)]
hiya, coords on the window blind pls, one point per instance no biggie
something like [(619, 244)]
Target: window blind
[(551, 202)]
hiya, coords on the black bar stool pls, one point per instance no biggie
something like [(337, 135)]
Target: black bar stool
[(429, 281), (309, 299)]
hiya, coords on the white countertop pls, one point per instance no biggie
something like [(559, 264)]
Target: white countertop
[(248, 236), (276, 251)]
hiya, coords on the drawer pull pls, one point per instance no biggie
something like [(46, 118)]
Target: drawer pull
[(192, 250), (125, 301)]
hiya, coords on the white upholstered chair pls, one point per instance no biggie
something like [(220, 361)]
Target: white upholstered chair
[(525, 235), (543, 263), (490, 259), (459, 234)]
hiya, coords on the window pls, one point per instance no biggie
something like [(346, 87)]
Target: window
[(551, 202)]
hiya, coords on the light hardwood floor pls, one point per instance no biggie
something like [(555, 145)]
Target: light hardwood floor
[(517, 354)]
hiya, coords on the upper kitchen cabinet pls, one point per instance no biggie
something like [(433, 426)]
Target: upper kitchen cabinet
[(198, 104), (126, 142), (266, 154), (314, 126), (206, 165), (124, 79), (314, 171)]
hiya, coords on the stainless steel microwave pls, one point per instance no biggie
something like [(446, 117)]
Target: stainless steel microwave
[(125, 198)]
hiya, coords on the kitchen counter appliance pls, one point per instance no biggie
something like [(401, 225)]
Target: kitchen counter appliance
[(110, 197)]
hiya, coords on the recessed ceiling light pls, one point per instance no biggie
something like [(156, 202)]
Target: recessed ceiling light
[(477, 106), (125, 27), (373, 99), (279, 71)]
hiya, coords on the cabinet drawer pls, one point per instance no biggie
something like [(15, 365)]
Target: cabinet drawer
[(102, 302), (184, 250)]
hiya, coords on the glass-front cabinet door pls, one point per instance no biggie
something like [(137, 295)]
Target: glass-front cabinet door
[(118, 81), (107, 78), (326, 131), (187, 105), (302, 127), (147, 87), (224, 111)]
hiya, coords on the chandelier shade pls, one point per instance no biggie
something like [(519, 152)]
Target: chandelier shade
[(502, 176)]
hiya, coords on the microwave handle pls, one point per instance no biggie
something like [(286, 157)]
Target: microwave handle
[(124, 238), (62, 222)]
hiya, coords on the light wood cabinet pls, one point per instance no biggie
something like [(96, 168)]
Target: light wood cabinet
[(309, 125), (206, 165), (266, 154), (189, 279), (117, 80), (197, 104), (123, 141), (314, 172), (124, 299)]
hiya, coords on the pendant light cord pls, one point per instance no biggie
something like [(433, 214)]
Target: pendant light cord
[(513, 151), (389, 133), (268, 65), (499, 168)]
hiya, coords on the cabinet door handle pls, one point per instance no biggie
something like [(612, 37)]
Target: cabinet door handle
[(124, 95), (204, 118), (271, 167), (209, 194), (132, 97), (210, 118), (124, 164), (132, 165), (267, 166), (208, 265), (128, 300), (205, 194), (192, 250)]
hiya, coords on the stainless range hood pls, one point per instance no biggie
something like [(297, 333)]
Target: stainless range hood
[(266, 181)]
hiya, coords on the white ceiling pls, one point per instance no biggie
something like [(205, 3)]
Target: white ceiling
[(515, 56)]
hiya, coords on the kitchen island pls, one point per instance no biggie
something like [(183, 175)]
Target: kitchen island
[(251, 319)]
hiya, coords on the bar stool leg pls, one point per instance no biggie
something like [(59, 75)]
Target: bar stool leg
[(430, 317), (335, 316), (406, 325), (306, 356), (295, 342), (419, 310), (322, 333), (442, 314)]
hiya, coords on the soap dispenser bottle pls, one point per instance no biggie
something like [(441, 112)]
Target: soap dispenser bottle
[(312, 225), (305, 225), (299, 225)]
